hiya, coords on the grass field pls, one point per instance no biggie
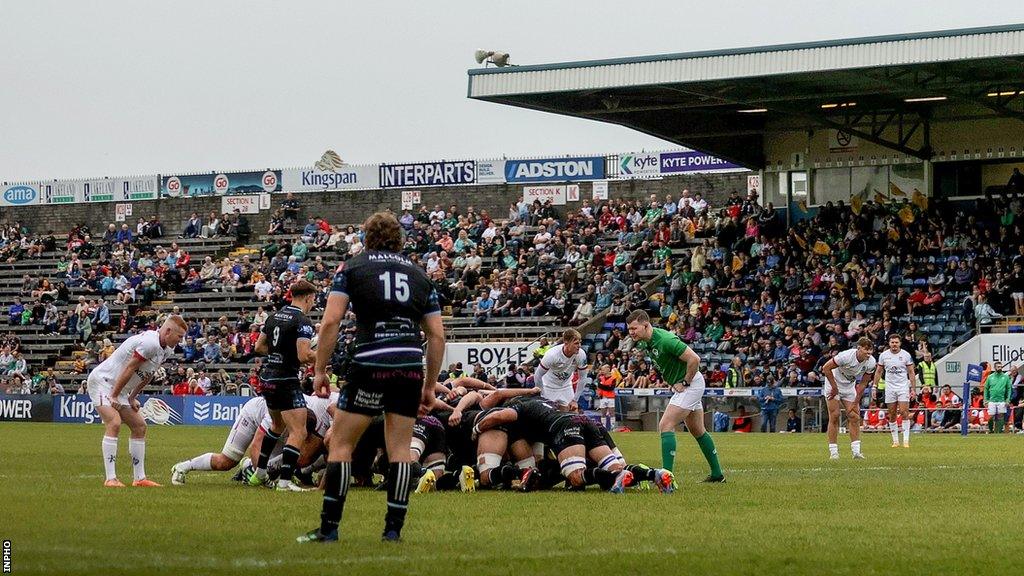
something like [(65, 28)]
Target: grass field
[(948, 503)]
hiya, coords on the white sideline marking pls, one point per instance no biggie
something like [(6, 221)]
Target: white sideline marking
[(140, 559), (836, 468)]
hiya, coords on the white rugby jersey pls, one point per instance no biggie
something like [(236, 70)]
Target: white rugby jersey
[(146, 346), (848, 370), (895, 366), (560, 368), (319, 407)]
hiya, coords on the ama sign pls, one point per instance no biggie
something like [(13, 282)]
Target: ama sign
[(19, 195)]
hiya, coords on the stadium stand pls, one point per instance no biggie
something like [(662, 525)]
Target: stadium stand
[(761, 303)]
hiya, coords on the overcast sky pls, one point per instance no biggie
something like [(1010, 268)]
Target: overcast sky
[(132, 87)]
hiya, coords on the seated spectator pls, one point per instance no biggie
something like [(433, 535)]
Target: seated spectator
[(193, 226), (793, 423), (212, 226), (742, 423)]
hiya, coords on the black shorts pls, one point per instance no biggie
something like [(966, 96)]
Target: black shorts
[(595, 436), (282, 394), (430, 431), (568, 432), (371, 390)]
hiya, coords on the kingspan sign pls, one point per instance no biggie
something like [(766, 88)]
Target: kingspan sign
[(555, 169)]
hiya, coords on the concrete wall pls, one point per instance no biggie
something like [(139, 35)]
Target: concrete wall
[(353, 206)]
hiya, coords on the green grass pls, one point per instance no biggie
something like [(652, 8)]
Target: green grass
[(948, 501)]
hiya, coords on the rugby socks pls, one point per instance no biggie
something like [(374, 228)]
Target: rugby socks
[(204, 462), (894, 429), (289, 458), (833, 449), (266, 447), (641, 472), (399, 476), (906, 431), (137, 450), (668, 450), (110, 457), (707, 446), (602, 478), (855, 447), (336, 481), (318, 464)]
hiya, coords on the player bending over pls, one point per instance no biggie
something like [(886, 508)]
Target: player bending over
[(848, 373), (114, 387)]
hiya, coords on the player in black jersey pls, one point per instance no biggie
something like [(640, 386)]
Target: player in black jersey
[(285, 340), (572, 437), (393, 300)]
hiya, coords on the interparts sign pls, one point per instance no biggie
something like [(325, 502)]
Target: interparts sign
[(427, 174), (555, 169), (19, 194)]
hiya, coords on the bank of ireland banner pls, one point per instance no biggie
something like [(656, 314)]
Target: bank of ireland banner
[(428, 174), (212, 410), (19, 194), (555, 169), (693, 161), (222, 183)]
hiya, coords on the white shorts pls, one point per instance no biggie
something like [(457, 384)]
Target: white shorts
[(1017, 295), (847, 393), (240, 437), (691, 398), (100, 391), (996, 408), (560, 395), (603, 403), (896, 394)]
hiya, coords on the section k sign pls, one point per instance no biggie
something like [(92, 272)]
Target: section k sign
[(212, 410), (555, 169)]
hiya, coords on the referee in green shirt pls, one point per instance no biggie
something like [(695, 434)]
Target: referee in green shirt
[(678, 365)]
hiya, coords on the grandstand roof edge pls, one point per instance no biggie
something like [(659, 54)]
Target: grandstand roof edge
[(751, 50)]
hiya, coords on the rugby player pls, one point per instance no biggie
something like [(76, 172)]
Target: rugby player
[(114, 387)]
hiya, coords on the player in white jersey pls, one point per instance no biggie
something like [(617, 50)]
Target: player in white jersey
[(848, 373), (556, 369), (312, 449), (239, 438), (114, 387), (898, 367)]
